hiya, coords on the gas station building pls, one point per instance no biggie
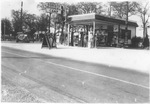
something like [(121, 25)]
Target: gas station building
[(94, 30)]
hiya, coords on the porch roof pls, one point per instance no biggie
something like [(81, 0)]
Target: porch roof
[(99, 19)]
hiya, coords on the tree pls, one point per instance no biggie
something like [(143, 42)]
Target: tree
[(144, 14), (28, 20), (89, 7), (119, 9), (6, 26), (42, 22), (72, 10), (16, 21)]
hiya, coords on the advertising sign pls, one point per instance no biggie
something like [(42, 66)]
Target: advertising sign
[(116, 28), (53, 7)]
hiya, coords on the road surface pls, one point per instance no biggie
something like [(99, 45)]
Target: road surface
[(62, 80)]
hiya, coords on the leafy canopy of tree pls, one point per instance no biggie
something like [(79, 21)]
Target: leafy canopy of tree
[(42, 22), (119, 9), (89, 7), (27, 20), (6, 27)]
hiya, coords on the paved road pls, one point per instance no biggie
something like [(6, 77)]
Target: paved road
[(62, 80)]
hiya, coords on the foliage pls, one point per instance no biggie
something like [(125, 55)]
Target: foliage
[(89, 7), (6, 26), (28, 20), (144, 14), (16, 21), (135, 42), (72, 10), (120, 8), (42, 22)]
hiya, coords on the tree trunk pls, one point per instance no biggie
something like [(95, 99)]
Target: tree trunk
[(72, 37), (144, 30), (62, 32), (54, 38), (144, 26)]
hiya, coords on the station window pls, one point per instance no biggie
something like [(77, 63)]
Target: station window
[(123, 34)]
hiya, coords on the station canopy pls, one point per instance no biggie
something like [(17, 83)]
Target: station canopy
[(88, 19)]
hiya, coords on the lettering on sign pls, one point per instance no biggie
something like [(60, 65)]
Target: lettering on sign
[(53, 7)]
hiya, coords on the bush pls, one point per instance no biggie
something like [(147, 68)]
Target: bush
[(135, 41)]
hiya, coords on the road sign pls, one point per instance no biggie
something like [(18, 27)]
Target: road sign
[(46, 42), (53, 7)]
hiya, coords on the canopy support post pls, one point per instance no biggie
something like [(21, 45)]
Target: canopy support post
[(94, 35)]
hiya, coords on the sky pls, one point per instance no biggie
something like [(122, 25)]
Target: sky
[(8, 5), (31, 7)]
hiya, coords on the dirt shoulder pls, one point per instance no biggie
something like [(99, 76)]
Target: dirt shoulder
[(13, 93)]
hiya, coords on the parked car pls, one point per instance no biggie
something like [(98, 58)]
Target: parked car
[(24, 37)]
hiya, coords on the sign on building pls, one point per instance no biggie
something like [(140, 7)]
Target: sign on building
[(116, 28)]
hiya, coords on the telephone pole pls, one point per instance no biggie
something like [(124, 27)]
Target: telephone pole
[(4, 29), (21, 16), (126, 23)]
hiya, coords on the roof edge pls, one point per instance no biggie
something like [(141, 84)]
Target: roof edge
[(106, 18)]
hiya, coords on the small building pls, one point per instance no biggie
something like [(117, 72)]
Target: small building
[(100, 30)]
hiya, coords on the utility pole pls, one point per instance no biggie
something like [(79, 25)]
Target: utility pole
[(21, 16), (126, 23), (63, 23), (109, 9), (49, 26), (4, 29)]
